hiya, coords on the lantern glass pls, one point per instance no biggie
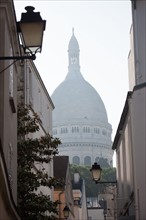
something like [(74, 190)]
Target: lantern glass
[(66, 212), (31, 36), (31, 28), (96, 172)]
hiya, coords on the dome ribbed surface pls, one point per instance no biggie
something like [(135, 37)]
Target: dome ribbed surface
[(76, 101)]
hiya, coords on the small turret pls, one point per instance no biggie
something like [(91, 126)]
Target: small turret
[(73, 53)]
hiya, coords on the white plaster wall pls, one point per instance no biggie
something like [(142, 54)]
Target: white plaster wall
[(131, 66), (96, 214), (138, 108), (8, 90), (125, 171), (139, 150), (38, 98), (139, 31)]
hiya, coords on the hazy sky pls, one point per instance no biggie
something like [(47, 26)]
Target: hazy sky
[(102, 30)]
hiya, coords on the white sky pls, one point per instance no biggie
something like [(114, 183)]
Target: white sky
[(102, 30)]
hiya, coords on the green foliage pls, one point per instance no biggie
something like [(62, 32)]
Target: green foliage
[(92, 189), (32, 204)]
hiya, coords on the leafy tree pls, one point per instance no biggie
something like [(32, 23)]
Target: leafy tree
[(32, 203), (92, 189)]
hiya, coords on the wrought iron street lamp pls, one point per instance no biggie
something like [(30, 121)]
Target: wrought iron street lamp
[(30, 29), (66, 211), (96, 174)]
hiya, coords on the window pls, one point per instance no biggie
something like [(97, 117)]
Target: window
[(87, 160), (75, 130), (104, 132), (54, 131), (11, 81), (30, 88), (86, 129), (96, 130), (63, 130), (76, 160), (11, 85), (97, 159)]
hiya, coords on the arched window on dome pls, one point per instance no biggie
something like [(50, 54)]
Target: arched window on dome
[(76, 160), (104, 132), (97, 159), (86, 130), (75, 129), (111, 163), (87, 160), (96, 130), (64, 130), (54, 131)]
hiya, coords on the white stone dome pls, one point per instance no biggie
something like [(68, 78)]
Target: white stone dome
[(75, 101), (80, 119)]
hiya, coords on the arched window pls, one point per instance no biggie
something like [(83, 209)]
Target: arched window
[(86, 129), (96, 130), (97, 159), (111, 163), (76, 160), (104, 132), (75, 129), (87, 160), (63, 130), (54, 131)]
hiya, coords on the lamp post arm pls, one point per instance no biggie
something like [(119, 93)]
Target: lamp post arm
[(113, 182), (30, 57)]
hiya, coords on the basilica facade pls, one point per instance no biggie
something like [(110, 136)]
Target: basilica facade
[(80, 118)]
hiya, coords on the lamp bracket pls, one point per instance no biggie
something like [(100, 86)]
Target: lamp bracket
[(30, 57), (112, 182)]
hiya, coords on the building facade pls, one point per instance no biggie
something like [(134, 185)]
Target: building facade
[(138, 112), (32, 92), (79, 195), (63, 193), (71, 193), (9, 46), (80, 118), (20, 83), (130, 139), (125, 170)]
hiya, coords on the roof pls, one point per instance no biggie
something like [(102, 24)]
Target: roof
[(60, 164), (122, 121)]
